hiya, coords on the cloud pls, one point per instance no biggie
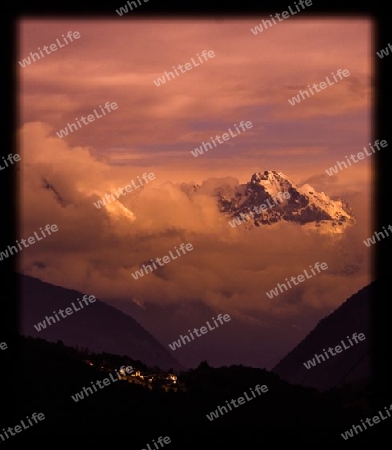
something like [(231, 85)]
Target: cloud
[(97, 250), (250, 78)]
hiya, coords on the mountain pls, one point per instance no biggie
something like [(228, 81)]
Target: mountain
[(224, 346), (301, 205), (97, 326), (353, 316)]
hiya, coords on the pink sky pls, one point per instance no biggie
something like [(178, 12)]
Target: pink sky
[(250, 78), (154, 129)]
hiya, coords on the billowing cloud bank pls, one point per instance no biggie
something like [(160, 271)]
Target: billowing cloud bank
[(96, 250)]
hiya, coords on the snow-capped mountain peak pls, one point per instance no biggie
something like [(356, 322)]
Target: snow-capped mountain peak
[(302, 205)]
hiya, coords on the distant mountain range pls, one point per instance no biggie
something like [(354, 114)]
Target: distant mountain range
[(103, 328), (254, 343), (303, 205), (98, 326), (353, 316)]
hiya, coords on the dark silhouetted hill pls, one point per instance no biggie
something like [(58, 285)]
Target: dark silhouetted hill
[(98, 326), (48, 374), (353, 316)]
